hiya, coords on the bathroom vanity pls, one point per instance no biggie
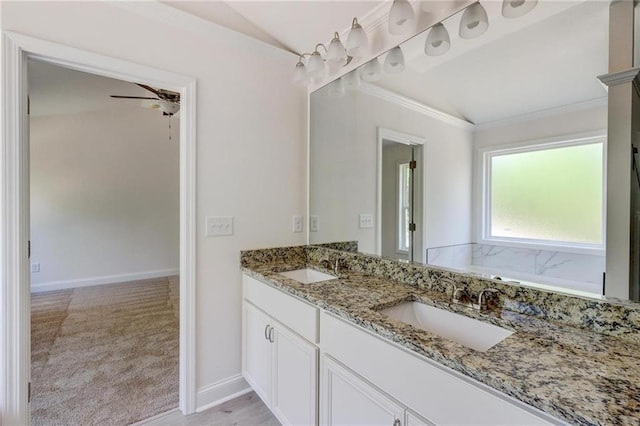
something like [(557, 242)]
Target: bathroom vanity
[(353, 349)]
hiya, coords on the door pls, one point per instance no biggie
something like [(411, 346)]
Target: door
[(401, 201), (294, 376), (349, 400), (256, 350)]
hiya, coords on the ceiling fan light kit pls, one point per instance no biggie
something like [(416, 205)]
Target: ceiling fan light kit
[(168, 101)]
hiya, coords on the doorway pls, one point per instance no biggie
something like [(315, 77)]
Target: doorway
[(104, 227), (400, 196), (14, 233)]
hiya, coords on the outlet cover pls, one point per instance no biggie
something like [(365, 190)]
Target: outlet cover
[(366, 221), (35, 267), (314, 223), (217, 226), (297, 224)]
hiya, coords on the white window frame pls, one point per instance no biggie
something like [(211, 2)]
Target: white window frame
[(483, 192)]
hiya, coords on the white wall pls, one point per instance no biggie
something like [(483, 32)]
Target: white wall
[(104, 197), (344, 161), (250, 148)]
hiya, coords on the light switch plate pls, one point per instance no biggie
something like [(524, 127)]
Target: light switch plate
[(35, 267), (297, 223), (218, 226), (366, 220), (314, 223)]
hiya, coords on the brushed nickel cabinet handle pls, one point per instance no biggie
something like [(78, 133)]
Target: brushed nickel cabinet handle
[(266, 327), (271, 335), (396, 422)]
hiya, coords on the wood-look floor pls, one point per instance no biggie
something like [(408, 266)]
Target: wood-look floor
[(246, 410)]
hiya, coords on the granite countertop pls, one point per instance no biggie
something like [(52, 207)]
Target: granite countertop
[(576, 375)]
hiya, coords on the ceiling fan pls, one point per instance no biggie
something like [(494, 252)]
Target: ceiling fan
[(167, 101)]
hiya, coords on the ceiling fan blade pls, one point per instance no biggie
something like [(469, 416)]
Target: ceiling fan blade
[(133, 97), (151, 89)]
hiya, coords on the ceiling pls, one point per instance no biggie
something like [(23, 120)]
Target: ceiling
[(546, 59), (57, 90)]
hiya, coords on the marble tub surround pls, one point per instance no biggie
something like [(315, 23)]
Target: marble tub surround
[(569, 270), (577, 375)]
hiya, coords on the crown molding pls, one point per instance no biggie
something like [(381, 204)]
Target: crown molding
[(168, 15), (620, 77), (578, 106), (414, 105)]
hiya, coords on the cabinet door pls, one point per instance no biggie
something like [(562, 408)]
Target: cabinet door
[(347, 399), (256, 350), (294, 376)]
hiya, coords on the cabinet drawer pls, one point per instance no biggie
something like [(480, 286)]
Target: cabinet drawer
[(296, 314), (437, 393)]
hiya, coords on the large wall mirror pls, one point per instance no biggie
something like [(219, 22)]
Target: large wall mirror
[(483, 154)]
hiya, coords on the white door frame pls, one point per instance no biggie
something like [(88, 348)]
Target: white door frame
[(15, 333), (407, 139)]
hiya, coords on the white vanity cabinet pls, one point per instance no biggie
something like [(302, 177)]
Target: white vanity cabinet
[(278, 363), (311, 366)]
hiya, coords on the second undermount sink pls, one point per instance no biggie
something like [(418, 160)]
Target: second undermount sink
[(469, 332), (307, 276)]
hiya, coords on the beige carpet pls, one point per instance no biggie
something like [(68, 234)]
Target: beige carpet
[(104, 355)]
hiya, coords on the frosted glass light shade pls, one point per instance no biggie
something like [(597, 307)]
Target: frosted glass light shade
[(336, 53), (402, 18), (351, 80), (336, 89), (357, 41), (517, 8), (315, 67), (438, 41), (371, 71), (394, 62), (474, 21), (300, 75)]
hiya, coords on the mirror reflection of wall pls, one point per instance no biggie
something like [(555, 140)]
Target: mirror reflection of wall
[(514, 131)]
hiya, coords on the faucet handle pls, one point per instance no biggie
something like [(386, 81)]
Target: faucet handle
[(481, 302)]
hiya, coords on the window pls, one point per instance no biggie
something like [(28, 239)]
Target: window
[(551, 194), (404, 203)]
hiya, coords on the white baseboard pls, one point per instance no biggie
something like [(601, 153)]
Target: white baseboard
[(222, 391), (106, 279)]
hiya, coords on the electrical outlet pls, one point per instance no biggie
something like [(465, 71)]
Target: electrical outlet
[(366, 221), (217, 226), (35, 267), (297, 224), (314, 223)]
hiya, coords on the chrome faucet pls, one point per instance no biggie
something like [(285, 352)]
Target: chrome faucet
[(460, 296), (325, 263), (335, 266), (482, 302)]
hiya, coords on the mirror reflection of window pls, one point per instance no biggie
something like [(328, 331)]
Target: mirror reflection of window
[(404, 207)]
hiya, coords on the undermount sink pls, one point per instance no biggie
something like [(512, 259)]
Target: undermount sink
[(469, 332), (307, 276)]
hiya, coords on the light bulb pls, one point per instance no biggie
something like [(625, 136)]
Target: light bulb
[(517, 8), (357, 41), (474, 21), (438, 41), (371, 71), (336, 53), (394, 62), (315, 67), (351, 80), (402, 18), (336, 89), (300, 75)]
